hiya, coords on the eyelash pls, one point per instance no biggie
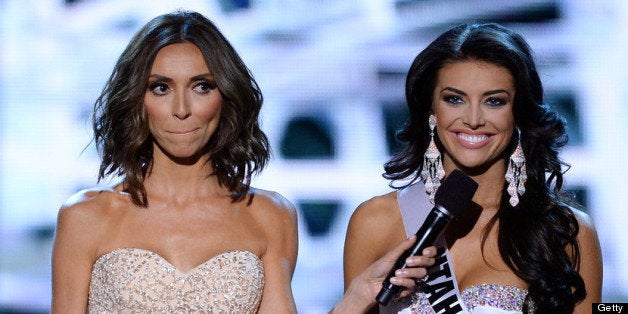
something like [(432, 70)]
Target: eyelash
[(496, 101), (160, 85), (160, 88), (210, 85), (455, 100), (492, 101)]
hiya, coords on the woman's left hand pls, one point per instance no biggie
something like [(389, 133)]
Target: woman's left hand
[(363, 290)]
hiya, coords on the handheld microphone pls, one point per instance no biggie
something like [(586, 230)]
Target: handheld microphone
[(451, 199)]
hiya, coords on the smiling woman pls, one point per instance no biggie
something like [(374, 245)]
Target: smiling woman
[(184, 231), (476, 105), (474, 119)]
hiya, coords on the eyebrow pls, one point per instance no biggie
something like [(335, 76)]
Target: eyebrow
[(487, 93), (192, 79)]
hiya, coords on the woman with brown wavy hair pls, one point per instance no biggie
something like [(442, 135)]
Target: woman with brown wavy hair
[(476, 105), (184, 231)]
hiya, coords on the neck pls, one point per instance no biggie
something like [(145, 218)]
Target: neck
[(181, 180), (490, 184)]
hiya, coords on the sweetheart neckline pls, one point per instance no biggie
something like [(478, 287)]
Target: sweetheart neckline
[(472, 297), (168, 264), (491, 285)]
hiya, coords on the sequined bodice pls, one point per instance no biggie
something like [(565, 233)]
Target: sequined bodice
[(487, 298), (140, 281)]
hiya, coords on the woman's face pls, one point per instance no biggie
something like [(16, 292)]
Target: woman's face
[(182, 101), (473, 105)]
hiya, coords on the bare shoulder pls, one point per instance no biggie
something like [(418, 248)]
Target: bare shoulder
[(587, 234), (92, 202), (86, 211), (270, 203), (584, 219), (82, 204), (81, 223), (271, 211), (377, 214), (373, 226)]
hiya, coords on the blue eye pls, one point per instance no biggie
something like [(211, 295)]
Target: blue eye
[(453, 99), (495, 102)]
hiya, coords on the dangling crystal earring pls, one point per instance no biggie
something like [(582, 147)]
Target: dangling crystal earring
[(433, 170), (516, 174)]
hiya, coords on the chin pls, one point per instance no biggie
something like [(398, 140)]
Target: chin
[(475, 167), (185, 156)]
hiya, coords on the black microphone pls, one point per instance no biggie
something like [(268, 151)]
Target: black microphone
[(451, 199)]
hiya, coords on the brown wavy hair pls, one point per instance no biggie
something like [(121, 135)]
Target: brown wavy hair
[(237, 150), (534, 238)]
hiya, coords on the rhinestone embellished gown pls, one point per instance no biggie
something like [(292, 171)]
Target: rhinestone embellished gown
[(132, 280), (440, 293)]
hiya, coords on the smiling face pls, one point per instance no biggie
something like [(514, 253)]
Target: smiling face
[(473, 105), (182, 101)]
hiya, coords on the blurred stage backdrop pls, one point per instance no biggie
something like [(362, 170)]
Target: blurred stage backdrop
[(332, 73)]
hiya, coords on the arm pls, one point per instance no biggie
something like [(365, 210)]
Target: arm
[(280, 226), (375, 226), (361, 293), (72, 258), (590, 262)]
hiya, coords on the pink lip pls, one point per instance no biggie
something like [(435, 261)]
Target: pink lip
[(183, 132)]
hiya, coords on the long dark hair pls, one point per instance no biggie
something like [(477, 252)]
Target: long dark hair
[(238, 149), (537, 239)]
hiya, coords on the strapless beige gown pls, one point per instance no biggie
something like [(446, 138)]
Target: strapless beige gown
[(132, 280)]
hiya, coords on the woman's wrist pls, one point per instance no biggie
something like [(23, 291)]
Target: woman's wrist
[(357, 298)]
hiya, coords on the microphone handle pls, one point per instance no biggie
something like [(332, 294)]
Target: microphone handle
[(434, 224)]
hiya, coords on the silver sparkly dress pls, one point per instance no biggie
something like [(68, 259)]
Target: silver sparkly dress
[(131, 280)]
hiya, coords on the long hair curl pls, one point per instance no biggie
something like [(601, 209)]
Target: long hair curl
[(537, 240)]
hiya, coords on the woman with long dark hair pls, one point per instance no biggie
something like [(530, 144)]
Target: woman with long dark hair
[(476, 104)]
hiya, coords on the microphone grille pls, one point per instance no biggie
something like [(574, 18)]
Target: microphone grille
[(456, 192)]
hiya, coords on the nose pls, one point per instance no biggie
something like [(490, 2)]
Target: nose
[(473, 116), (181, 107)]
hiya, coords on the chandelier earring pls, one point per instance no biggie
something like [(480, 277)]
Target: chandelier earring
[(432, 172), (516, 174)]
